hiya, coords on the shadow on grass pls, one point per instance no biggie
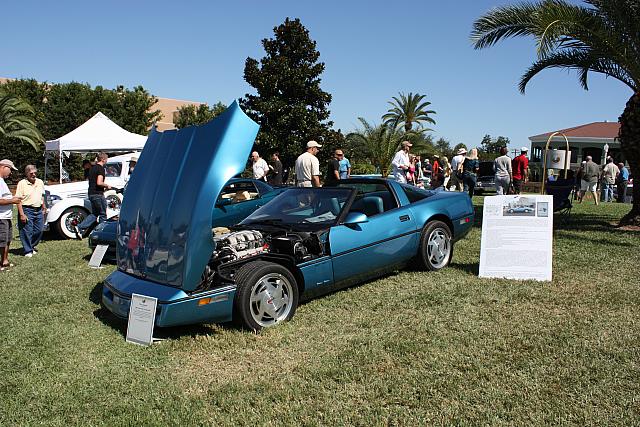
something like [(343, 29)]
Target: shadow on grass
[(471, 268)]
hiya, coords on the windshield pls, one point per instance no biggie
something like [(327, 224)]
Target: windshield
[(112, 170), (302, 207)]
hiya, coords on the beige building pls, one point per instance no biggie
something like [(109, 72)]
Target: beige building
[(167, 106)]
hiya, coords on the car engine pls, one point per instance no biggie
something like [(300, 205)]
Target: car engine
[(230, 246), (237, 245)]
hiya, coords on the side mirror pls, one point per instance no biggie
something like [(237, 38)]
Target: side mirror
[(355, 218)]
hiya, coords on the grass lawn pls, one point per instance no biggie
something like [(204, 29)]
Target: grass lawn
[(412, 348)]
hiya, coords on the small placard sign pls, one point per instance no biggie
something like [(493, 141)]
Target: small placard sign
[(142, 315), (97, 256)]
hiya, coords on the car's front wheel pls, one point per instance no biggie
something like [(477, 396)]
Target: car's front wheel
[(68, 220), (267, 294), (436, 246)]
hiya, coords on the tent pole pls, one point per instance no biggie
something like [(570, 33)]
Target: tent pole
[(45, 166), (60, 165)]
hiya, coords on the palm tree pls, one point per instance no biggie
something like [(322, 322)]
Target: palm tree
[(378, 143), (17, 121), (603, 37), (407, 110)]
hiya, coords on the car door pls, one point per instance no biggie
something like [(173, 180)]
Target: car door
[(365, 250)]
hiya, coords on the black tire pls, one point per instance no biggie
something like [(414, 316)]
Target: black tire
[(436, 235), (69, 218), (254, 305)]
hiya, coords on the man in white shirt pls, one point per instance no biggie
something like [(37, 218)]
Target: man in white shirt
[(456, 176), (260, 167), (308, 166), (609, 174), (400, 163), (6, 211)]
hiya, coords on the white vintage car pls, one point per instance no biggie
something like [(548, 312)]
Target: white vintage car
[(69, 204)]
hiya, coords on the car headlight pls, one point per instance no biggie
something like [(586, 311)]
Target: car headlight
[(52, 199)]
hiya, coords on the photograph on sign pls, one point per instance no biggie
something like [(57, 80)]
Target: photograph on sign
[(142, 315), (517, 237)]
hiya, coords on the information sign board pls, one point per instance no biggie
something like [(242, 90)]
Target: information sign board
[(97, 256), (142, 315), (517, 237)]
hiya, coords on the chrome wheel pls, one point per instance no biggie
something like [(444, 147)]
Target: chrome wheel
[(270, 300), (113, 202), (438, 248)]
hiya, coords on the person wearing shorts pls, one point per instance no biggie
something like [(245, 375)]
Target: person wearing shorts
[(7, 200), (589, 181)]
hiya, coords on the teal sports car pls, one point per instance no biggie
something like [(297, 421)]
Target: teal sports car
[(303, 243)]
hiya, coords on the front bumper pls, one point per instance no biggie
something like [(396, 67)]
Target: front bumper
[(175, 307)]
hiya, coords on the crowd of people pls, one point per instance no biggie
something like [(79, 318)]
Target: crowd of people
[(590, 177), (461, 174), (307, 168)]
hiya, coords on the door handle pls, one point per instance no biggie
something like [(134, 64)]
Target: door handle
[(404, 218)]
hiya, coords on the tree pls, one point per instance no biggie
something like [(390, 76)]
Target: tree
[(377, 143), (603, 37), (196, 115), (290, 106), (60, 108), (407, 110), (17, 121), (493, 146), (443, 146)]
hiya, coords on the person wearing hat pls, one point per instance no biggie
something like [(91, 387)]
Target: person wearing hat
[(456, 170), (520, 170), (31, 211), (132, 164), (6, 211), (308, 166), (400, 163)]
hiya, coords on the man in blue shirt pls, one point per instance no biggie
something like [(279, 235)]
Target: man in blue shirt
[(622, 180), (345, 165)]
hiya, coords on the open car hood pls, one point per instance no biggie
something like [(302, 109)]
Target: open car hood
[(165, 219)]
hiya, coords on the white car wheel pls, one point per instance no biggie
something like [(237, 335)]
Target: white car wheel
[(68, 220)]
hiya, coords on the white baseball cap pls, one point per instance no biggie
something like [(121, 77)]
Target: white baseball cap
[(524, 149), (9, 163), (312, 144)]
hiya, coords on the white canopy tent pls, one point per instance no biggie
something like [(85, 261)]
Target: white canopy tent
[(98, 133)]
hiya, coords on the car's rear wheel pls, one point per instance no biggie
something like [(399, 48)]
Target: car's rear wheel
[(266, 295), (65, 226), (436, 246)]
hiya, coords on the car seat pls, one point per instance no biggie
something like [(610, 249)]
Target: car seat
[(369, 205)]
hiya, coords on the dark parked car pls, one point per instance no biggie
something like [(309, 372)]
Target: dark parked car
[(486, 178)]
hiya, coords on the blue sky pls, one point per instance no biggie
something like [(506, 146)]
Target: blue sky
[(195, 50)]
